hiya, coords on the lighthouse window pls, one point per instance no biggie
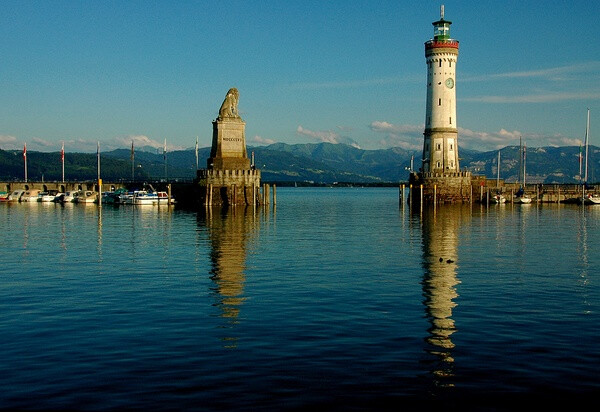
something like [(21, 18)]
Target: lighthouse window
[(440, 62), (450, 63), (438, 164), (452, 163), (439, 102), (438, 147), (450, 120), (451, 146)]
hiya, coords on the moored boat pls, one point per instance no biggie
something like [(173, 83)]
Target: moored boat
[(163, 198), (592, 199), (498, 198), (31, 195), (142, 197), (69, 196), (86, 196), (16, 195)]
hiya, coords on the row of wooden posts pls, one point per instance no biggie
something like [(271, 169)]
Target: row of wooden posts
[(264, 196)]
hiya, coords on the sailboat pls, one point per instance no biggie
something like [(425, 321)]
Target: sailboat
[(589, 198), (521, 197), (498, 197)]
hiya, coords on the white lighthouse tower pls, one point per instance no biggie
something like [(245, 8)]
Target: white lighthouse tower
[(440, 145), (440, 178)]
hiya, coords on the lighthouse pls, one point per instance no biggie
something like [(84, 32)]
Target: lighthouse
[(440, 175), (440, 143)]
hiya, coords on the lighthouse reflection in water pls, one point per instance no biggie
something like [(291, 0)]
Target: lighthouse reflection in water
[(440, 226)]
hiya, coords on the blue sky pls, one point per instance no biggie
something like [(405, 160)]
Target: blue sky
[(307, 71)]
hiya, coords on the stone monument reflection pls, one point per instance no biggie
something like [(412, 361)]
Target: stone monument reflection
[(229, 229), (440, 260)]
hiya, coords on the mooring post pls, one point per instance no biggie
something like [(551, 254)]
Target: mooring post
[(207, 194), (168, 195), (434, 194), (471, 195), (210, 195), (488, 197), (274, 195), (421, 196), (254, 194), (512, 195), (537, 194), (234, 195), (558, 199), (480, 193), (410, 195), (402, 195)]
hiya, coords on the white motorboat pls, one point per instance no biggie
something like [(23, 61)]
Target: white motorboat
[(142, 197), (16, 195), (31, 195), (49, 196), (524, 199), (87, 196), (592, 199), (68, 197), (163, 198), (498, 198)]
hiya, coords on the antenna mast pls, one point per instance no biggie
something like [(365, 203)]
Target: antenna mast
[(442, 12)]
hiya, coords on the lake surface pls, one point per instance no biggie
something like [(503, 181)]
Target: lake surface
[(333, 298)]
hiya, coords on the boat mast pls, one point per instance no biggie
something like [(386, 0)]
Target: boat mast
[(498, 178), (524, 163), (520, 158), (587, 131)]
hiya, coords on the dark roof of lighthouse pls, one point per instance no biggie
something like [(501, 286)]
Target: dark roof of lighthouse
[(441, 21)]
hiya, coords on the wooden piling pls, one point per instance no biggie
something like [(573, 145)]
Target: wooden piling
[(274, 195), (168, 195), (488, 197), (421, 196), (434, 194)]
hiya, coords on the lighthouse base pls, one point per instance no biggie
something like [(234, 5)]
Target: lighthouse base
[(433, 188)]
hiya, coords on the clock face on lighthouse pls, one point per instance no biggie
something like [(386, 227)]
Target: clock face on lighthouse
[(449, 83)]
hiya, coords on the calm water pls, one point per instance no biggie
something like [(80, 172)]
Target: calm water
[(334, 298)]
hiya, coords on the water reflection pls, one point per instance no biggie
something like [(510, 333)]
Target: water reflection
[(229, 230), (440, 228)]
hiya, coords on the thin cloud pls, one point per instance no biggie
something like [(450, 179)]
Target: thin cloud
[(8, 142), (410, 137), (260, 140), (348, 84), (327, 137), (406, 136), (556, 73), (534, 98)]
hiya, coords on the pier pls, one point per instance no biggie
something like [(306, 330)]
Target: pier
[(482, 190)]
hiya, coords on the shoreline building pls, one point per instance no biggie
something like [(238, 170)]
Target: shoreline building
[(440, 173), (229, 177)]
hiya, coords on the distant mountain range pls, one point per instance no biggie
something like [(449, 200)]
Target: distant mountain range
[(322, 163)]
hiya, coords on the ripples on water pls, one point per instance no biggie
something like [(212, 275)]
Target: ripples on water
[(335, 297)]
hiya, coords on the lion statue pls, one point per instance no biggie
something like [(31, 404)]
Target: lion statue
[(229, 108)]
